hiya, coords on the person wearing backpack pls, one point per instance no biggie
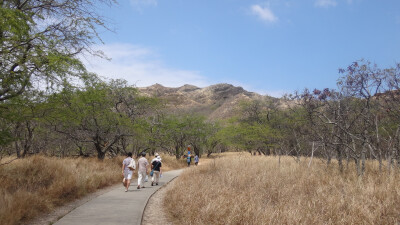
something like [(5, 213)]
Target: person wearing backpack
[(128, 165), (156, 170)]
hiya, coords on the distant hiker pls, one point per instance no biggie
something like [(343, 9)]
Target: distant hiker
[(126, 171), (142, 170), (156, 168), (196, 160), (188, 160)]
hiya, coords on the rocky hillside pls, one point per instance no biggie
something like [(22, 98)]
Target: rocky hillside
[(216, 101)]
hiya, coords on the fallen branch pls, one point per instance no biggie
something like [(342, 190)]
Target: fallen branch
[(8, 162)]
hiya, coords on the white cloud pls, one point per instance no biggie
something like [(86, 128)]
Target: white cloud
[(326, 3), (263, 13), (141, 67)]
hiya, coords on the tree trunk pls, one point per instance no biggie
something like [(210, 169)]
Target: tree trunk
[(328, 162), (28, 139), (378, 148), (389, 162), (196, 149), (280, 153), (363, 153), (177, 153), (358, 167), (339, 158), (17, 149), (312, 154), (100, 154)]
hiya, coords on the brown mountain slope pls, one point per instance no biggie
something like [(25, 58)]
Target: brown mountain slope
[(215, 102)]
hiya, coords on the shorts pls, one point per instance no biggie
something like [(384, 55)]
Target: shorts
[(128, 174)]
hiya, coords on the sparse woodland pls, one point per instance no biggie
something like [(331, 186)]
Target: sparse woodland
[(51, 106), (359, 121)]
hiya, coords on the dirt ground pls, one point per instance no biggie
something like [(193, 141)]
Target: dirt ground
[(153, 213)]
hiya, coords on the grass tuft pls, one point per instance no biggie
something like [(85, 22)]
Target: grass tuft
[(256, 190)]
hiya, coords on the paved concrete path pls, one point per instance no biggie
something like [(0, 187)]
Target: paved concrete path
[(117, 206)]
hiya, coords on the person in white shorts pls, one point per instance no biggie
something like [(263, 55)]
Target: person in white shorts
[(126, 172)]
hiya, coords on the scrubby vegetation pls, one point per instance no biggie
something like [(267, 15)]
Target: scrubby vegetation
[(244, 189), (52, 109), (38, 184)]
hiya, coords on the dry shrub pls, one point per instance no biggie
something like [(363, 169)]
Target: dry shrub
[(38, 184), (257, 190)]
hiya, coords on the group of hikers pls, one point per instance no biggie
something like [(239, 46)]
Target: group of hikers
[(129, 165), (189, 159)]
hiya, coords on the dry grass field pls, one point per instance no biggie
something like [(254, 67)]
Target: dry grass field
[(243, 189), (38, 184)]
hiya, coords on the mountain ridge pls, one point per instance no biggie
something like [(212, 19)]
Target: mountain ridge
[(216, 101)]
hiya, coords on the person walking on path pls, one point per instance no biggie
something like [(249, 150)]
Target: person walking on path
[(196, 160), (155, 158), (127, 172), (143, 164), (188, 160), (156, 168)]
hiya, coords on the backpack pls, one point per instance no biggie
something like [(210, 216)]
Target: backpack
[(132, 165)]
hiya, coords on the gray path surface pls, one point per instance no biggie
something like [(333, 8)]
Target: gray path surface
[(116, 206)]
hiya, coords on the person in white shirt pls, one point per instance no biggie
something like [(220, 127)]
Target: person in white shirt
[(126, 172), (143, 164)]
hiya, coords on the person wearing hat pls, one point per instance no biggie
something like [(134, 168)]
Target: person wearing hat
[(155, 158), (156, 168)]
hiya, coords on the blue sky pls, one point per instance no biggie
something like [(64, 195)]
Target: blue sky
[(270, 47)]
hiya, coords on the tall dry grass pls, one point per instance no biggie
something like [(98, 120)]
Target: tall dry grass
[(38, 184), (256, 190), (169, 162)]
